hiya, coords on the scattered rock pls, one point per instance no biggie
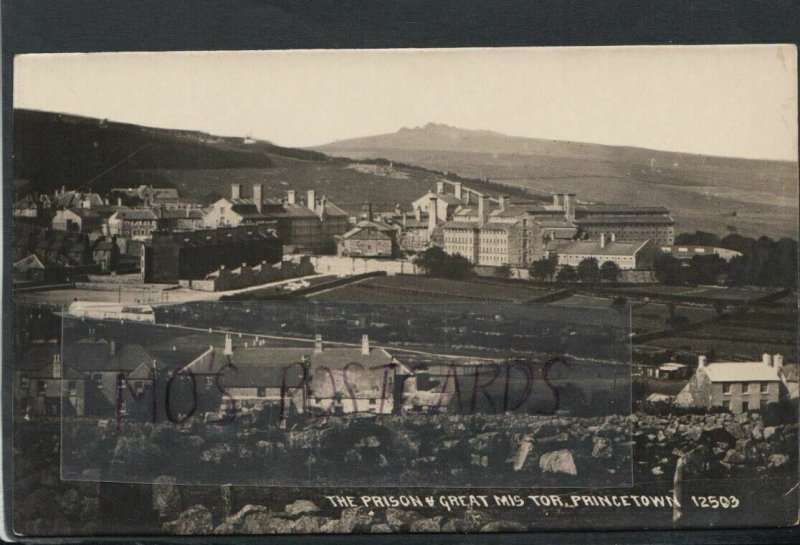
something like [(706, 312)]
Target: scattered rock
[(194, 521), (777, 460), (601, 447), (433, 524), (504, 526), (400, 520), (166, 497), (558, 461), (300, 507)]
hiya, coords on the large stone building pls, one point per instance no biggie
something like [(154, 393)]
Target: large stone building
[(505, 234), (626, 255), (628, 223), (736, 386), (323, 379), (174, 256), (368, 239), (134, 224)]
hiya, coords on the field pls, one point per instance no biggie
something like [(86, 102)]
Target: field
[(391, 289)]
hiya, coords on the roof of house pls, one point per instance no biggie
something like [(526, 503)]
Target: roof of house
[(30, 262), (143, 214), (332, 357), (742, 371), (186, 213), (74, 198), (83, 213), (331, 209), (366, 232), (618, 219), (97, 356), (687, 251), (619, 209), (593, 247)]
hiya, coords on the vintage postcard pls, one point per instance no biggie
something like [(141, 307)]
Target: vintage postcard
[(393, 291)]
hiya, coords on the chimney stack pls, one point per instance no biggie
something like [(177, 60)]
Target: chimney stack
[(433, 213), (112, 347), (777, 360), (766, 358), (459, 194), (236, 191), (312, 199), (602, 240), (258, 196), (504, 201), (701, 361), (365, 345), (556, 199), (569, 206), (291, 196), (119, 202), (228, 350), (483, 205), (439, 187), (317, 344), (56, 365), (418, 213), (613, 237)]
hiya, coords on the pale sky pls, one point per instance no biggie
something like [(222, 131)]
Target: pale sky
[(736, 101)]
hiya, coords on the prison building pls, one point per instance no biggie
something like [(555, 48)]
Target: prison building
[(627, 255), (191, 255)]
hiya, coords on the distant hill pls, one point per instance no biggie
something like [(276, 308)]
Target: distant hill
[(719, 194), (52, 149)]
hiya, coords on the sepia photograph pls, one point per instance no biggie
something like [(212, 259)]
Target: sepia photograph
[(390, 291)]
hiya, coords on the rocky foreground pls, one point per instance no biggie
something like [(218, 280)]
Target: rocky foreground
[(550, 451)]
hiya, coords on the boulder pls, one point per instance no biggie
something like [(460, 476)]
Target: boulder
[(525, 447), (504, 526), (234, 523), (301, 507), (558, 461), (601, 447), (400, 520), (166, 497), (768, 432), (777, 460), (433, 524), (307, 524), (380, 528), (194, 521)]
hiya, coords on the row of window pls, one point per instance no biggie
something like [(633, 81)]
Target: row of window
[(763, 387)]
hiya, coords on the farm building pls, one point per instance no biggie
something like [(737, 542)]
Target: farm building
[(627, 255), (736, 386), (368, 239), (333, 379)]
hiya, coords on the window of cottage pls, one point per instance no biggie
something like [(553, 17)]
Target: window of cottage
[(726, 388)]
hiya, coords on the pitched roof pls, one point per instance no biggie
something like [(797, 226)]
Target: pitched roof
[(592, 247), (97, 356), (630, 219), (742, 371), (136, 214)]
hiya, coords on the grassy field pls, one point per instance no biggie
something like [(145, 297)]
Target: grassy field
[(408, 289)]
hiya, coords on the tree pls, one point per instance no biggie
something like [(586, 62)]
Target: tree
[(503, 271), (609, 271), (668, 270), (436, 262), (588, 270), (705, 269), (543, 269), (567, 274)]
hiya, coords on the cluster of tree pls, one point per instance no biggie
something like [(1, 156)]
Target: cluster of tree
[(436, 262), (764, 262), (588, 271)]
